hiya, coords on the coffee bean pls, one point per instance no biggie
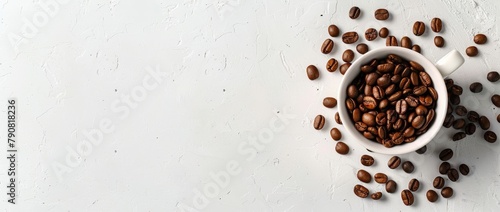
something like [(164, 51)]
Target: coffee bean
[(464, 169), (459, 136), (453, 175), (348, 55), (350, 37), (444, 167), (406, 42), (418, 122), (422, 150), (490, 136), (413, 185), (446, 154), (360, 126), (439, 41), (344, 67), (438, 182), (457, 90), (367, 160), (312, 72), (394, 162), (368, 119), (391, 41), (354, 12), (401, 106), (408, 167), (480, 39), (362, 48), (367, 69), (484, 123), (329, 102), (461, 110), (449, 83), (470, 128), (319, 122), (418, 28), (493, 76), (383, 32), (333, 30), (341, 148), (416, 48), (380, 178), (376, 196), (473, 116), (407, 197), (352, 91), (476, 87), (416, 66), (335, 133), (364, 176), (369, 102), (436, 25), (391, 186), (332, 65), (371, 34), (459, 124), (356, 115), (337, 118), (447, 192), (448, 120), (495, 99), (381, 14), (371, 78), (471, 51), (327, 46), (361, 191), (431, 195)]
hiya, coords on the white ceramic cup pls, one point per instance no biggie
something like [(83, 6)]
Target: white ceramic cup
[(438, 72)]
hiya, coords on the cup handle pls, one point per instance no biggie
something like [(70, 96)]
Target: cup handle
[(449, 63)]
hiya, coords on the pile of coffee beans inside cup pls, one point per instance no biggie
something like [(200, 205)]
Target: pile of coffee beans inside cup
[(392, 101)]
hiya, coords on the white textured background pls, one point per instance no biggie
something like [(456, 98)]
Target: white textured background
[(234, 70)]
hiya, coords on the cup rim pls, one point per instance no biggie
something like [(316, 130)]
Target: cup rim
[(440, 111)]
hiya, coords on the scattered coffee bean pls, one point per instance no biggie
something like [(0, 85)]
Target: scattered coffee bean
[(362, 48), (457, 90), (439, 41), (464, 169), (371, 34), (438, 182), (458, 136), (459, 124), (431, 195), (449, 83), (480, 39), (350, 37), (364, 176), (418, 28), (348, 55), (333, 30), (391, 41), (380, 178), (319, 122), (447, 192), (471, 51), (448, 120), (453, 175), (413, 185), (436, 25), (329, 102), (327, 46), (312, 72), (454, 99), (354, 12), (342, 148), (383, 32), (446, 154), (490, 136), (461, 110), (408, 167), (381, 14), (337, 118), (476, 87), (391, 186), (332, 65), (473, 116), (470, 128), (361, 191), (406, 42), (394, 162), (493, 76), (343, 68), (416, 48), (407, 197), (484, 123), (444, 167), (376, 196), (422, 150), (335, 133), (367, 160), (495, 99)]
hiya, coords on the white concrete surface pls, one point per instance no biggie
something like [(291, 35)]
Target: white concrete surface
[(182, 91)]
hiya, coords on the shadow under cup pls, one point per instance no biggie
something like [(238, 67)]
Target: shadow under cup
[(440, 110)]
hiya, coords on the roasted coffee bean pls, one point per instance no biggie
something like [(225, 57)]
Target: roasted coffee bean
[(490, 136), (364, 176), (461, 110), (391, 89), (453, 175), (414, 79), (425, 78), (391, 186), (386, 67), (381, 118), (367, 160), (354, 12), (431, 195), (495, 99), (368, 119), (396, 79), (413, 185), (480, 39), (327, 46), (361, 191), (333, 30), (337, 118), (341, 148), (439, 41), (380, 178), (383, 32), (449, 110), (352, 91), (348, 55), (362, 48), (473, 116), (391, 41), (356, 115), (360, 126), (406, 42), (332, 65), (350, 104), (418, 28), (416, 48), (369, 102), (418, 122), (438, 182), (420, 90), (343, 68), (312, 72), (384, 81), (395, 96), (436, 25), (368, 90), (407, 197), (476, 87), (444, 167), (401, 106), (448, 121), (447, 192), (464, 169), (335, 133), (376, 196), (493, 76), (449, 83), (319, 122), (456, 90), (381, 14), (459, 136), (416, 66), (408, 167), (422, 150), (371, 34), (470, 128), (371, 78), (350, 37), (329, 102), (459, 124), (394, 162), (367, 69), (471, 51), (412, 101), (484, 123), (421, 110), (383, 104), (446, 154)]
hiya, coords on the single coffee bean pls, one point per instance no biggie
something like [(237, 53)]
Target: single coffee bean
[(480, 39), (369, 102), (329, 102), (406, 42), (464, 169), (459, 124), (361, 191), (380, 178), (367, 69), (471, 51), (459, 136), (386, 67), (332, 65), (383, 32), (476, 87), (490, 136), (364, 176), (354, 12), (493, 76), (422, 150), (448, 120), (350, 37), (431, 195), (368, 119), (495, 99), (352, 91), (362, 48), (408, 167), (439, 41), (419, 90), (484, 123), (394, 162), (416, 48), (447, 192), (438, 182), (371, 34), (376, 196), (436, 25), (312, 72), (381, 14), (446, 154), (416, 66), (333, 30), (319, 122), (418, 28), (360, 126), (391, 186), (453, 175), (457, 90), (418, 122), (327, 46), (413, 185), (470, 128), (371, 78), (407, 197), (335, 133), (356, 115), (444, 167), (348, 55), (341, 148), (461, 110), (391, 41), (337, 118), (367, 160), (448, 82), (473, 116), (343, 68)]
